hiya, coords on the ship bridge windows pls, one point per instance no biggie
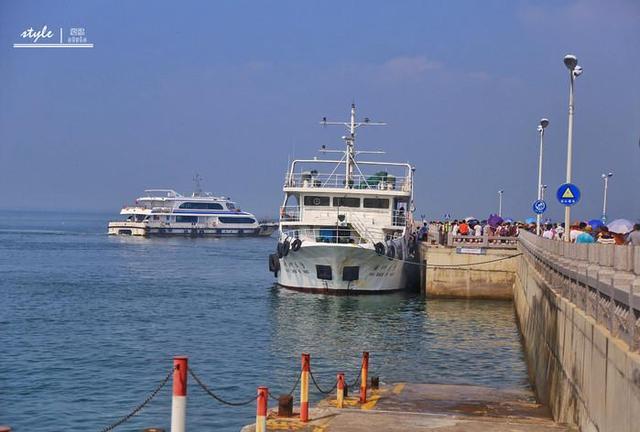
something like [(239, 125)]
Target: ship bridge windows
[(379, 203), (316, 201), (346, 202), (201, 206), (231, 206), (187, 219), (236, 220)]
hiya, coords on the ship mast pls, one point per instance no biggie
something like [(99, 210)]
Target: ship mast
[(350, 140)]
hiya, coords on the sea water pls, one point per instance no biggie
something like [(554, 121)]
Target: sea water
[(89, 324)]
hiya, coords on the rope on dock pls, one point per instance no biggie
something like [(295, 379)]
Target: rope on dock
[(216, 397), (139, 408), (470, 264)]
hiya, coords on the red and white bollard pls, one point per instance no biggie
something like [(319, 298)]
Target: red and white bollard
[(304, 388), (179, 401), (261, 409), (364, 377), (340, 391)]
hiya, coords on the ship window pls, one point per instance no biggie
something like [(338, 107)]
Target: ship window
[(323, 272), (201, 206), (189, 219), (240, 220), (382, 203), (230, 206), (350, 273), (346, 202), (316, 201)]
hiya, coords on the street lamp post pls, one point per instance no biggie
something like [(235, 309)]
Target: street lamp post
[(541, 127), (571, 62), (500, 192), (606, 178)]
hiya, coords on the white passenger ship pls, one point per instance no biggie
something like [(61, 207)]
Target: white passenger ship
[(345, 224), (164, 212)]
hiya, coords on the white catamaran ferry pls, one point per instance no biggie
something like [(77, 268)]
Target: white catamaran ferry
[(164, 212), (345, 224)]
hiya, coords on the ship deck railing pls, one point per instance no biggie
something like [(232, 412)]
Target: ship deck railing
[(326, 235), (339, 181)]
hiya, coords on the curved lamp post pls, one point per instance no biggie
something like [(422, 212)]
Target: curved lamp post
[(606, 178)]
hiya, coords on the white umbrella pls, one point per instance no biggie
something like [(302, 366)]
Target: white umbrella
[(620, 226), (470, 218)]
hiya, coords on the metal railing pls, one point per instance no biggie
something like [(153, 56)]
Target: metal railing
[(358, 181), (326, 235), (495, 242), (601, 279), (290, 213)]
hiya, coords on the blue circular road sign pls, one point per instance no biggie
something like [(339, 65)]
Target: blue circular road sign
[(539, 206), (568, 194)]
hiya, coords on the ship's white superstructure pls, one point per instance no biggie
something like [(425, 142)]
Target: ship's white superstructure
[(345, 223), (165, 212)]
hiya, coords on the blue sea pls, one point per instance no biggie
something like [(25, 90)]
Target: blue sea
[(89, 324)]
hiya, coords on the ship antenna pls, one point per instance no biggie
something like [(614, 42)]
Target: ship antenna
[(198, 186), (350, 140)]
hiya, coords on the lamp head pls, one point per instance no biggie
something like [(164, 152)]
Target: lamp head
[(610, 174), (577, 71), (544, 123), (570, 61)]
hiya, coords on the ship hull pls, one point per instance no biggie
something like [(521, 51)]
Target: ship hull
[(375, 274), (144, 230)]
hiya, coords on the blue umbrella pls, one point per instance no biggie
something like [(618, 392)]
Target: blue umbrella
[(530, 220), (595, 223)]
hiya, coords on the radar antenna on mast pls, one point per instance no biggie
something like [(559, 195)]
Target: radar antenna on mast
[(350, 153)]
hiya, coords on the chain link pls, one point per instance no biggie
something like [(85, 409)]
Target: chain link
[(216, 397), (318, 387), (357, 379), (139, 408), (290, 392)]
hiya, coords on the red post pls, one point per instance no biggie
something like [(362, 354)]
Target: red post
[(364, 377), (304, 387), (340, 391), (261, 409), (179, 401)]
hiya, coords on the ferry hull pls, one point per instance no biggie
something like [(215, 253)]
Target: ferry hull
[(376, 274), (141, 229)]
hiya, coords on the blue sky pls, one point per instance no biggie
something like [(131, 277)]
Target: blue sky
[(230, 90)]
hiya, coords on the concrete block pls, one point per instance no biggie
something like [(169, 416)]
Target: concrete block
[(605, 254), (582, 251), (617, 391), (622, 258), (593, 253), (636, 260)]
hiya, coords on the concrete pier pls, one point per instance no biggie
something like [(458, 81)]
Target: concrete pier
[(444, 408), (469, 268)]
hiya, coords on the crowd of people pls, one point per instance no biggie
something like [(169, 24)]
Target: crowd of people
[(580, 232)]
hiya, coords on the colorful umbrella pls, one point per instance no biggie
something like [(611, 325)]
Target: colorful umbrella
[(494, 220), (595, 223), (530, 220), (620, 226)]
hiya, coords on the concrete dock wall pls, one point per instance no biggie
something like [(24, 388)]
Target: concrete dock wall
[(580, 346), (470, 279)]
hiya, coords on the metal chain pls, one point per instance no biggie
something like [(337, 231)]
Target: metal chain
[(318, 387), (139, 408), (218, 398), (357, 378), (292, 389)]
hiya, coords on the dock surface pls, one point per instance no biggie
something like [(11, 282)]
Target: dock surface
[(437, 407)]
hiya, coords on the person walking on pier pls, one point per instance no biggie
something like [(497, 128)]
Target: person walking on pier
[(633, 238)]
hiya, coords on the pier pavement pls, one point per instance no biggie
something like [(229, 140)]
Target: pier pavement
[(438, 407)]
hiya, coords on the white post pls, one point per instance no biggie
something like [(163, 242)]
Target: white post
[(543, 124), (179, 400), (571, 62), (604, 201), (500, 202)]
